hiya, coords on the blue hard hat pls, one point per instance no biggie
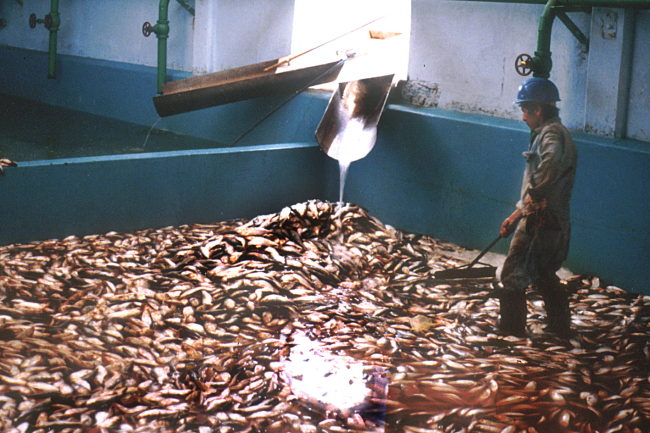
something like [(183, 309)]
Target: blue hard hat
[(537, 89)]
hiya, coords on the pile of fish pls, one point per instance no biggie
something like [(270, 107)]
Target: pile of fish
[(227, 327)]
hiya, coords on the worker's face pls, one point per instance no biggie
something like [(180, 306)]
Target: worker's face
[(532, 116)]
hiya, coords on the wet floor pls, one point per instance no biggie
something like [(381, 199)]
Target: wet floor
[(33, 131)]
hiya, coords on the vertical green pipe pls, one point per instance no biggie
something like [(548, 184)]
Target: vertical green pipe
[(162, 62), (55, 22), (543, 62), (162, 33)]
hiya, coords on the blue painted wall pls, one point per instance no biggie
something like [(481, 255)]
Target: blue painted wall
[(54, 199), (124, 91), (458, 176), (454, 176)]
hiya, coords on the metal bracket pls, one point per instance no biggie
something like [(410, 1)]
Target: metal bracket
[(573, 28), (187, 7)]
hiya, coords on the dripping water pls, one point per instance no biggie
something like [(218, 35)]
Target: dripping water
[(344, 165), (149, 133), (343, 173), (347, 146)]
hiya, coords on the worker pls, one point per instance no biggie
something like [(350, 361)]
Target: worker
[(541, 237)]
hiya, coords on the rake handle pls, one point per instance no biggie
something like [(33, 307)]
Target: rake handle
[(494, 242)]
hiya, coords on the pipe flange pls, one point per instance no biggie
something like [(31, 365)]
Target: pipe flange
[(48, 21)]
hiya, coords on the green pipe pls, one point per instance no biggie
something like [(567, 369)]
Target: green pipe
[(161, 29), (542, 62), (55, 22), (624, 4), (52, 21)]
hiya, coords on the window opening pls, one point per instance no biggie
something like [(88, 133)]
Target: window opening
[(381, 47)]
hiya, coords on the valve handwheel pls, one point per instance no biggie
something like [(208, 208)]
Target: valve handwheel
[(32, 21), (524, 64), (146, 29)]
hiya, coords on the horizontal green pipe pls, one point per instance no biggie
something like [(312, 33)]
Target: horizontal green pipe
[(631, 4)]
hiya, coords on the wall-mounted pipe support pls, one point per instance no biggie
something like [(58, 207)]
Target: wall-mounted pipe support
[(187, 7), (52, 21), (161, 29), (573, 28)]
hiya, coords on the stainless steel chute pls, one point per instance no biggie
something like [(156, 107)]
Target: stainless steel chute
[(348, 130)]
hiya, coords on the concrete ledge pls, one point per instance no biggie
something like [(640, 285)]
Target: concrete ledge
[(54, 199)]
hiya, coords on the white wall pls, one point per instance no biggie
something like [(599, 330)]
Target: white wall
[(230, 33), (468, 48), (638, 115), (252, 31), (333, 24), (101, 30)]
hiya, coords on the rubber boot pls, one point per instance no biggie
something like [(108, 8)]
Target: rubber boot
[(513, 313), (558, 314)]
